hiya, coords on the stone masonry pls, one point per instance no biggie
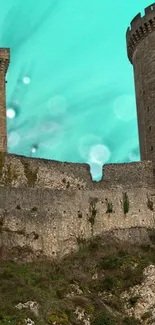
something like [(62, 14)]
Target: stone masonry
[(47, 208), (140, 38), (4, 62)]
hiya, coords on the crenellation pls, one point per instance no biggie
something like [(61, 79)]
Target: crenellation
[(140, 40), (135, 20), (149, 9), (139, 28)]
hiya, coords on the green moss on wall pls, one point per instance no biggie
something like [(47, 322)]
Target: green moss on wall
[(31, 174), (10, 174), (125, 203), (109, 207), (92, 210), (7, 171)]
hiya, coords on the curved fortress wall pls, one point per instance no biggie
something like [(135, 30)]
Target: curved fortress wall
[(48, 208), (140, 39), (38, 222)]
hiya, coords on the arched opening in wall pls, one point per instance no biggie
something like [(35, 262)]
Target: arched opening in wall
[(150, 128), (151, 148)]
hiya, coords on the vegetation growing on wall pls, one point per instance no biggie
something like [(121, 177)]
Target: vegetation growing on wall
[(10, 174), (92, 210), (30, 173), (109, 207), (7, 171), (81, 242), (125, 203)]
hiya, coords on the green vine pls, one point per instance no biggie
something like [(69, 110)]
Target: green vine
[(125, 203), (109, 207)]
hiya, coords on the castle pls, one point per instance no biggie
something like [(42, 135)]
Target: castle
[(48, 207)]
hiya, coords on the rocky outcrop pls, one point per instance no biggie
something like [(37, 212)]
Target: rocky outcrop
[(142, 298)]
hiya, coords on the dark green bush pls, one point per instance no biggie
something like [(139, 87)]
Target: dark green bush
[(146, 315), (131, 321), (125, 203), (111, 262), (109, 282), (109, 207), (133, 300)]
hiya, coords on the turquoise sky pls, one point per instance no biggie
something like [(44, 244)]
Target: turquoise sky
[(70, 90)]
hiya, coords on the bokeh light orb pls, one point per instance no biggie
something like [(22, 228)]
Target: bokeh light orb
[(10, 113), (99, 154), (86, 143), (34, 148), (26, 80), (125, 107)]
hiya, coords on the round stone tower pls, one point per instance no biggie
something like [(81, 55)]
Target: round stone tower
[(140, 38), (4, 63)]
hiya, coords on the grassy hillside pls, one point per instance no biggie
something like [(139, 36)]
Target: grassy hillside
[(83, 288)]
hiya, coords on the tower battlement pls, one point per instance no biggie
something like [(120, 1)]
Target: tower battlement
[(140, 27)]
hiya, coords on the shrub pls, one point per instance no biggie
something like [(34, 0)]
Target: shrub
[(152, 236), (131, 321), (58, 317), (111, 262), (125, 203), (109, 282), (109, 207), (93, 212), (146, 315), (133, 300), (103, 319), (114, 302)]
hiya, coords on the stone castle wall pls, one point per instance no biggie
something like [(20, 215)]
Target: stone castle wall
[(19, 171), (42, 220)]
